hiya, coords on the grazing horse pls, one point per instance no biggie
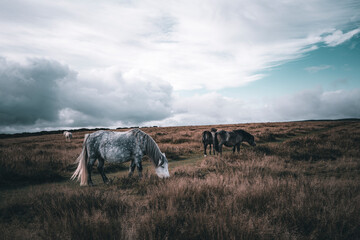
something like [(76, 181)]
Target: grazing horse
[(118, 147), (68, 136), (232, 139), (208, 139)]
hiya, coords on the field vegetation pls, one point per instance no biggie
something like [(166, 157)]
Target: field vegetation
[(301, 181)]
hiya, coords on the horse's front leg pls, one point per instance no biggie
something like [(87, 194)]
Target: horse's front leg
[(140, 168), (220, 148), (234, 149), (100, 168), (139, 164), (238, 148)]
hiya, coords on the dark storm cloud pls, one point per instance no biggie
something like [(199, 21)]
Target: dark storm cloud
[(29, 92), (46, 94), (109, 96)]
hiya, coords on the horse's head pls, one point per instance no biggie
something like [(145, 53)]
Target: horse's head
[(162, 168), (251, 141)]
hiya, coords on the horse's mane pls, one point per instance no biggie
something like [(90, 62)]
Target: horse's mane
[(148, 145), (244, 133)]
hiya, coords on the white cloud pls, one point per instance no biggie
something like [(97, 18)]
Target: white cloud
[(337, 37), (317, 104), (314, 69), (191, 44), (311, 104)]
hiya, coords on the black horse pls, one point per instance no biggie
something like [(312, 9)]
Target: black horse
[(208, 139), (232, 139)]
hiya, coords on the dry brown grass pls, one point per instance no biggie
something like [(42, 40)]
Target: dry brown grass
[(302, 181)]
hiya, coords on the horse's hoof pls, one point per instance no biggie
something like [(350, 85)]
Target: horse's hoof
[(205, 155)]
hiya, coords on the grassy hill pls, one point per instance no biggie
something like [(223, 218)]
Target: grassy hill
[(301, 181)]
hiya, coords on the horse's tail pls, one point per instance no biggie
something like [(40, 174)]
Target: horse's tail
[(81, 172), (204, 137), (216, 142)]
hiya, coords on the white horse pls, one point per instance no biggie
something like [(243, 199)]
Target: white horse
[(118, 147), (68, 136)]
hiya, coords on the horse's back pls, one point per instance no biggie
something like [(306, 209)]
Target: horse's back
[(229, 139), (112, 146)]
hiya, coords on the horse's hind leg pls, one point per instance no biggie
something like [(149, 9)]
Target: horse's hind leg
[(205, 146), (90, 166), (100, 168), (238, 148), (132, 168)]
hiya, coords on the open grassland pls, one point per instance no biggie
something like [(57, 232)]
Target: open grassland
[(301, 181)]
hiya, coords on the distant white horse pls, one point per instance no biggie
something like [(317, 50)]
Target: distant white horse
[(118, 147), (68, 136)]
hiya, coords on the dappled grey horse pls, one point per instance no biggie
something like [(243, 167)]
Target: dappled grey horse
[(232, 139), (118, 147), (208, 139)]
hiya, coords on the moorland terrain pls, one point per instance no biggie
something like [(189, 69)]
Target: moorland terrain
[(301, 181)]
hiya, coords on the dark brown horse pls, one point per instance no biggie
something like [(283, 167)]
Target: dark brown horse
[(232, 139), (208, 139)]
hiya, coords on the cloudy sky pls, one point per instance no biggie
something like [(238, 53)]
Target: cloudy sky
[(71, 64)]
